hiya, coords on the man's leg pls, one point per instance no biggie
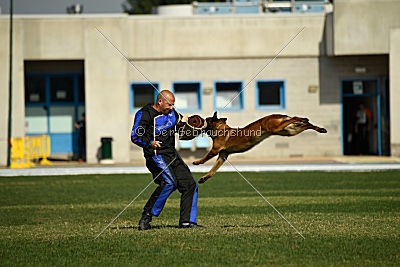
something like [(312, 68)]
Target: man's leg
[(363, 139), (188, 188), (366, 140), (166, 185), (80, 148)]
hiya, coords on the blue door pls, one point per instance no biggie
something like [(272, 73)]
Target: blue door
[(53, 103)]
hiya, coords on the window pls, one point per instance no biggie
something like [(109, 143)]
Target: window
[(187, 95), (143, 94), (59, 88), (35, 89), (270, 94), (62, 89), (228, 96)]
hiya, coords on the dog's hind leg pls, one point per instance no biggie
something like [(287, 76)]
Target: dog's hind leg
[(316, 128), (283, 124), (223, 155)]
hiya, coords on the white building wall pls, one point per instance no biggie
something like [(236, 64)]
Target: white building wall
[(206, 49), (107, 89), (395, 91), (47, 38), (323, 107), (231, 36), (363, 26), (174, 10), (298, 74)]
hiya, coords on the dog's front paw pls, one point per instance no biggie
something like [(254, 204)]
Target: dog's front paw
[(204, 179), (197, 162)]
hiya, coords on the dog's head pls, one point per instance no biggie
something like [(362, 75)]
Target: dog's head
[(213, 123)]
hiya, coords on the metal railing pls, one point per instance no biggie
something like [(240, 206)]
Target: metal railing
[(259, 6)]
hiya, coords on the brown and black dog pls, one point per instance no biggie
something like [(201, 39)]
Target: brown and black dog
[(227, 140)]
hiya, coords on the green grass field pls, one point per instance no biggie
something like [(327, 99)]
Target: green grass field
[(346, 218)]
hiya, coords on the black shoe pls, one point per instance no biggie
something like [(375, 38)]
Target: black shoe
[(144, 223), (190, 225)]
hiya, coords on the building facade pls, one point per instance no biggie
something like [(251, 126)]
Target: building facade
[(66, 65)]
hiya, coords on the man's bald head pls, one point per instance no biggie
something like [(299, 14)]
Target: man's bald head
[(166, 96), (165, 102)]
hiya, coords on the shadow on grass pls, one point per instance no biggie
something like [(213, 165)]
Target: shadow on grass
[(152, 227), (246, 226), (176, 226)]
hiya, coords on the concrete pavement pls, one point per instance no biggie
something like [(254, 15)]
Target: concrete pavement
[(346, 163)]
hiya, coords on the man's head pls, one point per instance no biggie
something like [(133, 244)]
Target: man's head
[(165, 102)]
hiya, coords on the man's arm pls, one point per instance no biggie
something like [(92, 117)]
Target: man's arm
[(139, 136)]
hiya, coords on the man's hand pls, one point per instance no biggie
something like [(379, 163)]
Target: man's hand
[(156, 144)]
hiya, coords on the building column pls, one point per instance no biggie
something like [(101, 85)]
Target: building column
[(394, 71)]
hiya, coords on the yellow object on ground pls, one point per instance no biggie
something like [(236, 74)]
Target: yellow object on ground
[(18, 158), (24, 150)]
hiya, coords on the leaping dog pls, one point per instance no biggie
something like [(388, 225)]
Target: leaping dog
[(227, 140)]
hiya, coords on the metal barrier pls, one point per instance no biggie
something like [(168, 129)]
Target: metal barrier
[(25, 150)]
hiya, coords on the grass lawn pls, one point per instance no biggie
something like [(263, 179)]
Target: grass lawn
[(346, 218)]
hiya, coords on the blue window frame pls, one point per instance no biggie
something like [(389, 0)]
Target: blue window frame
[(187, 96), (228, 96), (142, 93), (270, 94)]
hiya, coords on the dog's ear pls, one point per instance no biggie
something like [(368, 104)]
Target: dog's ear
[(224, 119), (214, 117)]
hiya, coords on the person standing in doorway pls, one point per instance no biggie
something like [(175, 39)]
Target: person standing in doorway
[(362, 128), (81, 126)]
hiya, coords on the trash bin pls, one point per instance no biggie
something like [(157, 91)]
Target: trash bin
[(106, 150)]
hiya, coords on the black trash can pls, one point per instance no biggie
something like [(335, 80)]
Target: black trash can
[(106, 150)]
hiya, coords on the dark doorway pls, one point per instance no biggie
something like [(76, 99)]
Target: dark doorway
[(361, 117)]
